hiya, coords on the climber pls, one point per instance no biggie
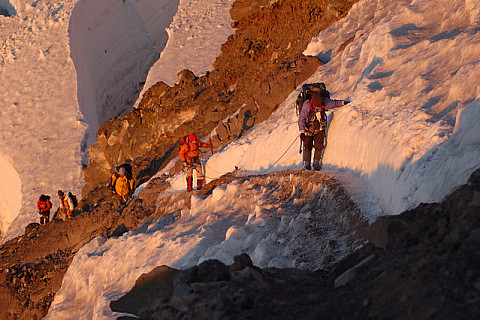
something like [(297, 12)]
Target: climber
[(67, 205), (128, 173), (312, 130), (189, 153), (44, 205), (123, 185)]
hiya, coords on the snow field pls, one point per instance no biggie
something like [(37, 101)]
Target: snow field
[(406, 85), (239, 217), (198, 29), (38, 114), (69, 65), (10, 192)]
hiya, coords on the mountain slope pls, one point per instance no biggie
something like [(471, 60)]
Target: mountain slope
[(259, 66), (33, 272), (408, 136), (422, 264)]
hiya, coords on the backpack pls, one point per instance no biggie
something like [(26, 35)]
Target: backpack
[(307, 90), (74, 199), (128, 170)]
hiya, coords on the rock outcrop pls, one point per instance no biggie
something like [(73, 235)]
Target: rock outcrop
[(258, 67)]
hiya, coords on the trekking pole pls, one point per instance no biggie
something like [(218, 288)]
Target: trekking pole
[(301, 142)]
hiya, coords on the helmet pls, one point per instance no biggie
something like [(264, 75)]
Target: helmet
[(60, 193), (192, 137)]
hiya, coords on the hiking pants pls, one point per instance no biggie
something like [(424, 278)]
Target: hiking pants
[(312, 141), (197, 166), (44, 217)]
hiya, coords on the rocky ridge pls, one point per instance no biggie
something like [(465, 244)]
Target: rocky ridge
[(259, 66)]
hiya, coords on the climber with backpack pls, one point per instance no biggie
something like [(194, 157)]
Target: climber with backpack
[(314, 99), (123, 185), (68, 203), (190, 155), (44, 205), (116, 174)]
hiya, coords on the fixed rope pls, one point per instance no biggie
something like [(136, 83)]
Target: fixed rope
[(295, 140), (262, 172)]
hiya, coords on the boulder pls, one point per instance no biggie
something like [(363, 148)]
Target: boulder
[(157, 284), (186, 76), (31, 227)]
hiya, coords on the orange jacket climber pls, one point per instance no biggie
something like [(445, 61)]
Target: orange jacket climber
[(189, 149), (44, 204), (189, 153)]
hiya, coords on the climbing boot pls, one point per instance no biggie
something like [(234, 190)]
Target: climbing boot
[(306, 165), (317, 166)]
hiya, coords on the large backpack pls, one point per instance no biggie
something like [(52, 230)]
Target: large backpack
[(128, 170), (307, 90), (73, 198)]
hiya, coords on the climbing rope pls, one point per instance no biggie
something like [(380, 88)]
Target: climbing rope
[(295, 140), (262, 172)]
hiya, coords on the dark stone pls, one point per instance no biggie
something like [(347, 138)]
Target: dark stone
[(119, 231), (211, 271), (157, 284), (240, 262), (31, 227), (386, 230)]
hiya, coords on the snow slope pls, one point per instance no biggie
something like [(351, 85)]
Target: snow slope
[(267, 217), (410, 135), (67, 66), (410, 130)]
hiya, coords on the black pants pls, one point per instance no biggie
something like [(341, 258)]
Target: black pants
[(313, 141), (44, 217)]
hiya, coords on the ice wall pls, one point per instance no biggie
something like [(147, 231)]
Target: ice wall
[(113, 45), (411, 132), (10, 193)]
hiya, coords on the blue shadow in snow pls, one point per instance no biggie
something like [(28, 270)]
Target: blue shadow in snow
[(375, 61), (325, 57), (430, 103), (404, 30), (446, 35), (444, 112), (7, 9)]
